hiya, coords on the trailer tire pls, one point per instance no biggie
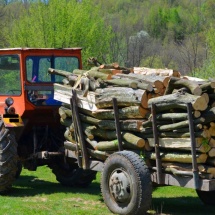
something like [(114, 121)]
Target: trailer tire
[(207, 197), (8, 158), (126, 184), (73, 176)]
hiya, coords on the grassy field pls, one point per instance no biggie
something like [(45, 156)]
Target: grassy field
[(39, 193)]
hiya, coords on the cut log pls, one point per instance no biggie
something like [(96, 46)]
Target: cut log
[(110, 71), (208, 87), (179, 125), (196, 114), (125, 125), (88, 130), (174, 134), (70, 146), (133, 139), (68, 135), (132, 112), (157, 81), (104, 134), (125, 97), (172, 116), (129, 83), (162, 72), (175, 143), (100, 155), (207, 169), (178, 157), (195, 79), (93, 73), (59, 72), (178, 100), (92, 143), (66, 111), (135, 77), (177, 83), (107, 145), (206, 96), (212, 142), (113, 145), (211, 153)]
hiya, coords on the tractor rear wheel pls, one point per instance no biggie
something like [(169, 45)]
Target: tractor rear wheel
[(8, 158), (73, 175)]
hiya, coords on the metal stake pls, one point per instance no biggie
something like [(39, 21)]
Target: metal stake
[(157, 149), (116, 116), (193, 147)]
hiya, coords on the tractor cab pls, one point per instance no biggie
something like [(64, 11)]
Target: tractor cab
[(25, 80)]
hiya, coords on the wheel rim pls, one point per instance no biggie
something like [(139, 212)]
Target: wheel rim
[(120, 186)]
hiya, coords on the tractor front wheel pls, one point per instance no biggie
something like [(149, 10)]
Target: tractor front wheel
[(8, 158)]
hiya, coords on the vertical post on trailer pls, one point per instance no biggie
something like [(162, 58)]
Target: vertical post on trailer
[(157, 148), (116, 117), (76, 134), (85, 160), (193, 147)]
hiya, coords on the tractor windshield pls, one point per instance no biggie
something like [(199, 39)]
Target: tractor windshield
[(10, 83), (37, 67)]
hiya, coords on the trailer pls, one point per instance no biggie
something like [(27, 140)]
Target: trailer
[(126, 179)]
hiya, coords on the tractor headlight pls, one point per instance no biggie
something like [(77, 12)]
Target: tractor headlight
[(9, 101)]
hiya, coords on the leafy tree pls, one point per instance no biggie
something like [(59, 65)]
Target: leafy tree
[(208, 69), (62, 24)]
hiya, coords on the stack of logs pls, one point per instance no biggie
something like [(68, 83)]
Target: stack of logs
[(136, 90)]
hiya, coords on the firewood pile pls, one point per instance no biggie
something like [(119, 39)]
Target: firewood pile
[(136, 90)]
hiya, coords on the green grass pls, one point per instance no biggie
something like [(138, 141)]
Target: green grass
[(39, 193), (178, 201)]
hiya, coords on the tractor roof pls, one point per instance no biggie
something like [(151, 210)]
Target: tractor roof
[(31, 49)]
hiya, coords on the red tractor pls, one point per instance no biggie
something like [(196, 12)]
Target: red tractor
[(30, 130)]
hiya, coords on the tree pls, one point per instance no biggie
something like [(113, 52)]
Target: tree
[(62, 24)]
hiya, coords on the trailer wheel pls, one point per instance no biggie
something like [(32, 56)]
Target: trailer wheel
[(8, 158), (207, 197), (73, 175), (126, 184)]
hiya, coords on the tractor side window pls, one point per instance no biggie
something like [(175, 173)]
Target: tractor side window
[(10, 82), (67, 64)]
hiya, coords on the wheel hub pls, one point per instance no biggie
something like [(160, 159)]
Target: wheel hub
[(119, 185)]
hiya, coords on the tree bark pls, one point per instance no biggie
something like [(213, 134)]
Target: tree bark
[(132, 112), (178, 157), (161, 72), (176, 143), (125, 125), (177, 83), (125, 97), (178, 100), (129, 83)]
